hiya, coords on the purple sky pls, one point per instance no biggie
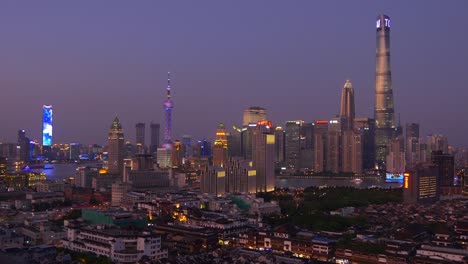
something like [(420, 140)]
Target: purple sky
[(93, 60)]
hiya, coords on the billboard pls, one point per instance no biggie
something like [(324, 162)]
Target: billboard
[(47, 125), (394, 177)]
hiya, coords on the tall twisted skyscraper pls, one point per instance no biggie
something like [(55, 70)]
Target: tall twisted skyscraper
[(168, 106), (347, 106), (384, 111)]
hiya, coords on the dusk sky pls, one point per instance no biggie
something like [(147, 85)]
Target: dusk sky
[(94, 60)]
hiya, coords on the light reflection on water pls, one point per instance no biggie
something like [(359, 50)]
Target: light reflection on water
[(65, 171)]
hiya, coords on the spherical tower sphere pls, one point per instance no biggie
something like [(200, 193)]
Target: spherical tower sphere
[(168, 103)]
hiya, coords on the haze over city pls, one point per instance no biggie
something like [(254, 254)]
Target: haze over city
[(96, 60)]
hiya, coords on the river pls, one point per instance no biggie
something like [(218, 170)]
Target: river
[(65, 171)]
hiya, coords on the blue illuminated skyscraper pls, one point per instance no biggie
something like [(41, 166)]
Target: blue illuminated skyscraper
[(168, 106), (46, 125)]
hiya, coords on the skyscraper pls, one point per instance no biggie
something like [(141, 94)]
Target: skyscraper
[(347, 106), (168, 106), (24, 145), (116, 148), (154, 137), (140, 137), (263, 156), (47, 125), (220, 148), (366, 127), (412, 149), (320, 145), (293, 144), (384, 109), (253, 114), (333, 151)]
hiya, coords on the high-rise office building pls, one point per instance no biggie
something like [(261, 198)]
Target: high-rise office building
[(140, 137), (246, 141), (366, 126), (446, 166), (116, 148), (334, 146), (154, 129), (187, 143), (263, 157), (293, 144), (47, 125), (352, 149), (421, 185), (213, 180), (177, 153), (254, 114), (347, 113), (280, 141), (384, 108), (24, 145), (351, 140), (168, 106), (320, 145), (412, 150), (75, 149), (307, 146), (234, 142), (220, 148), (437, 142), (396, 156), (240, 176)]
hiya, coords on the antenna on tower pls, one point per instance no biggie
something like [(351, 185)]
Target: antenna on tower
[(168, 85)]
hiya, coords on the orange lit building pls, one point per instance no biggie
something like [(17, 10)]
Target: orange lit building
[(220, 149)]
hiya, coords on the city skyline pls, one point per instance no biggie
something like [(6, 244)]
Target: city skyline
[(304, 83)]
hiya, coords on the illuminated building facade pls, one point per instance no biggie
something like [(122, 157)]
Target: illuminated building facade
[(164, 156), (347, 112), (47, 125), (168, 106), (263, 157), (384, 108), (254, 114), (116, 148), (177, 154), (333, 164), (213, 180), (421, 185), (3, 167), (220, 148), (140, 137), (320, 145)]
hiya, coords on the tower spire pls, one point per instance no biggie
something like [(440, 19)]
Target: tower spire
[(168, 106), (168, 89)]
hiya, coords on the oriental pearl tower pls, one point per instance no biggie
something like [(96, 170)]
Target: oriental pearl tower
[(168, 105)]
